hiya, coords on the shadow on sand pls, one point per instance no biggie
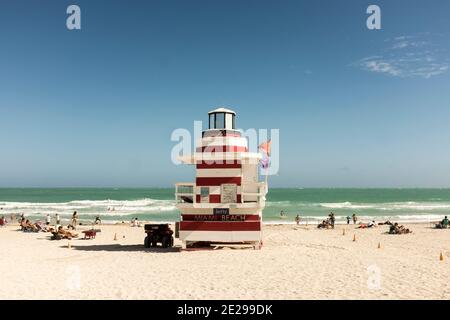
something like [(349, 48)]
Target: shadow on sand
[(123, 248)]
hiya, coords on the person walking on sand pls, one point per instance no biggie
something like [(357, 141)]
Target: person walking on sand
[(297, 219), (354, 218), (58, 220), (348, 219), (48, 219), (74, 220)]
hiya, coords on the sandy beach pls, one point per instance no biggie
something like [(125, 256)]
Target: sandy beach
[(296, 262)]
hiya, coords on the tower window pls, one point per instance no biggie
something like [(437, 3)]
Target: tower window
[(220, 121), (212, 120)]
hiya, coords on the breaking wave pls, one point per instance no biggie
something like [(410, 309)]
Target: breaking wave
[(92, 207), (388, 206)]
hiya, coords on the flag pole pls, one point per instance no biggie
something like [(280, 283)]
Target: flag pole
[(267, 178)]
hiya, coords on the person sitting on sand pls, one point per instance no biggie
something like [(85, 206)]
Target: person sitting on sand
[(22, 224), (98, 220), (393, 228), (67, 234), (398, 229), (27, 226), (443, 224), (326, 224), (322, 224), (135, 223), (402, 230), (332, 219), (371, 224)]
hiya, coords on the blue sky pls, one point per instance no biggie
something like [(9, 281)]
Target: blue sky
[(96, 107)]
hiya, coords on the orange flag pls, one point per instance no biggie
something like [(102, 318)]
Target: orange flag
[(265, 147)]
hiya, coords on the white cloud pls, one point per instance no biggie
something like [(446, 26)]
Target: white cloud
[(381, 66), (407, 56)]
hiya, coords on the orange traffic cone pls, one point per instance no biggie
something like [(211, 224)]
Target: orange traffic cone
[(354, 237), (379, 245), (69, 245), (115, 236), (441, 257), (343, 232)]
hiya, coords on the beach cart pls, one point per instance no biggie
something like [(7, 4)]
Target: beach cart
[(90, 234), (158, 233)]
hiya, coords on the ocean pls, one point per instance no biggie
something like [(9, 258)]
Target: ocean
[(157, 204)]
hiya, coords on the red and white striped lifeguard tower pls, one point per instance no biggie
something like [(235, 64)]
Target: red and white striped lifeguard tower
[(224, 205)]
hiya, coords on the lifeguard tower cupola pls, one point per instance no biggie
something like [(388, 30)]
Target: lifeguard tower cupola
[(225, 203)]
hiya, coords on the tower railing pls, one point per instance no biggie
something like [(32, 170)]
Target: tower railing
[(254, 192), (185, 192)]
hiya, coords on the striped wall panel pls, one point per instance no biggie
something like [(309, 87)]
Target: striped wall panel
[(220, 226), (231, 164), (216, 190), (221, 133), (212, 217), (222, 141), (229, 172), (217, 181), (215, 198), (220, 236), (214, 149)]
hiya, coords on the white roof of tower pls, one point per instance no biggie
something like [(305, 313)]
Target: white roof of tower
[(222, 110)]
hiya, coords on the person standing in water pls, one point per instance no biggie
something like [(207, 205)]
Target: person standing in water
[(348, 219), (297, 219), (281, 213)]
